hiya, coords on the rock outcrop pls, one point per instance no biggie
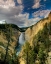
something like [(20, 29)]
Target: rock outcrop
[(12, 44), (33, 30)]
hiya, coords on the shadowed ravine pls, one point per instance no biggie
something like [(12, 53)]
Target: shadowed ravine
[(21, 42)]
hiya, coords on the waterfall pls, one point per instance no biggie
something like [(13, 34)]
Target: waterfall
[(22, 38), (21, 42)]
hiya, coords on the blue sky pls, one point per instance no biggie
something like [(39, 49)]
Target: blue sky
[(24, 12)]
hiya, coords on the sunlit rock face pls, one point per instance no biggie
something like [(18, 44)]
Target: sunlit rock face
[(49, 16), (31, 32), (12, 43)]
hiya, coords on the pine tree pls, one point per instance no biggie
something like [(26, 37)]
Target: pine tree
[(42, 56), (8, 37), (26, 52)]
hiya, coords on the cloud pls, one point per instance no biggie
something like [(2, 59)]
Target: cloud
[(31, 21), (19, 1), (24, 20), (13, 14), (21, 18), (9, 10), (36, 4), (7, 3), (41, 13), (6, 14)]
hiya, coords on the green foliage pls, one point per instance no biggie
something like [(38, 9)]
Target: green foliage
[(32, 57), (2, 56), (7, 29), (43, 36), (42, 56), (28, 54), (36, 49), (1, 44), (2, 26), (49, 28), (14, 59), (8, 34), (8, 57), (41, 42)]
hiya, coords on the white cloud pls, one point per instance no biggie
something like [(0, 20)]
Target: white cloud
[(36, 4), (9, 10), (12, 14), (41, 13), (19, 1), (21, 18), (25, 21), (7, 3), (2, 21), (32, 21)]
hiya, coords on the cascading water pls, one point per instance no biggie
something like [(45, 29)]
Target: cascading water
[(22, 38), (21, 42)]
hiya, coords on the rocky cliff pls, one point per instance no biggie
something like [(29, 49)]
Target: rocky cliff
[(4, 42), (38, 35), (29, 36), (33, 30)]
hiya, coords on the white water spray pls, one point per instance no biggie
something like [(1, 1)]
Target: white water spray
[(21, 42), (22, 38)]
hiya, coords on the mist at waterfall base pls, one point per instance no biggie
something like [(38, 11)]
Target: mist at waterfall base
[(21, 42)]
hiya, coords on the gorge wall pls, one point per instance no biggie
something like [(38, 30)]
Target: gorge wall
[(33, 30), (12, 44)]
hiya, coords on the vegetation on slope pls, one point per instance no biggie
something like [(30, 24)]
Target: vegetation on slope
[(38, 53), (7, 57)]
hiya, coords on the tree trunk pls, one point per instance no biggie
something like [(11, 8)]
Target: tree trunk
[(27, 59)]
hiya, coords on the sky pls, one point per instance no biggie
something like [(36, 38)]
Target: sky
[(24, 13)]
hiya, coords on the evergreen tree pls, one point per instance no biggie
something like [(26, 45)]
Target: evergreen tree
[(15, 58), (26, 52), (8, 37), (32, 57), (42, 56)]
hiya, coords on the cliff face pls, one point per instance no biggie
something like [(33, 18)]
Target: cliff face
[(12, 44), (32, 31), (49, 16)]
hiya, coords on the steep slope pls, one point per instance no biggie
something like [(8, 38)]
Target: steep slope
[(14, 35), (39, 37), (33, 30)]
